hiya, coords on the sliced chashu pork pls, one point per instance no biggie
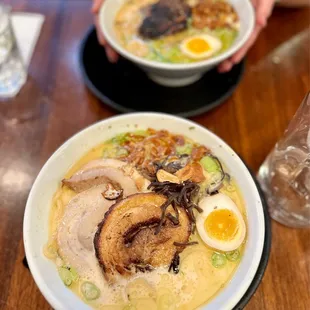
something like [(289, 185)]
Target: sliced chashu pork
[(126, 241), (104, 171), (83, 214)]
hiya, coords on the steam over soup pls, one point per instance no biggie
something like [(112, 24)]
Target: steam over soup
[(147, 220), (176, 31)]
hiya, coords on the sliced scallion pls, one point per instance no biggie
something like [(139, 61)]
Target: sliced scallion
[(119, 139), (90, 291), (65, 275), (218, 260), (209, 164), (233, 256), (74, 274), (184, 149)]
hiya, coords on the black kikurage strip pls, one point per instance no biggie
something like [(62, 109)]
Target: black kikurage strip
[(162, 219), (178, 195), (185, 244)]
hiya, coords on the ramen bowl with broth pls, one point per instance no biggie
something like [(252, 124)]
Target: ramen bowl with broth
[(143, 211), (175, 42)]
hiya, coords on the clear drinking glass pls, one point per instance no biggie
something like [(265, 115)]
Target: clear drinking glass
[(21, 98), (285, 174), (12, 70)]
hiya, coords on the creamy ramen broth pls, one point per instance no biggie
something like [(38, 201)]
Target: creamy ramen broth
[(200, 275), (196, 42)]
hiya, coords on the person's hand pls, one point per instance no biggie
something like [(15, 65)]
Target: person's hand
[(111, 54), (263, 9)]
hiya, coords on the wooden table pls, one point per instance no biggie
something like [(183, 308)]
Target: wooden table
[(251, 121)]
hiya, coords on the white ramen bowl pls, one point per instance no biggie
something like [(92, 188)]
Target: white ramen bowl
[(175, 75), (39, 203)]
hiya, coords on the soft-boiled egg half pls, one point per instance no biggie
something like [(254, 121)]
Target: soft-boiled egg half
[(200, 46), (220, 225)]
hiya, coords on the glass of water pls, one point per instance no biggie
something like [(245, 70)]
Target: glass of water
[(285, 174), (13, 74), (21, 98)]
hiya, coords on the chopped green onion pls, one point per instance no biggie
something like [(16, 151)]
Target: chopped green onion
[(159, 56), (108, 151), (232, 256), (184, 149), (218, 260), (68, 275), (65, 275), (112, 151), (90, 291), (119, 139), (74, 274), (227, 36), (124, 137), (215, 177), (209, 164)]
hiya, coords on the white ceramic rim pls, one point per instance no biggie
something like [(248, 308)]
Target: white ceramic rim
[(159, 65), (238, 294)]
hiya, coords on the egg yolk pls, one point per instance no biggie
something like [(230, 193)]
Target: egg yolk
[(221, 224), (198, 46)]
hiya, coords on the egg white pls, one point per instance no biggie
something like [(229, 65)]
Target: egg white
[(214, 43), (217, 202)]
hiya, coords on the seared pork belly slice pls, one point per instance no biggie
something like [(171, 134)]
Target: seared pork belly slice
[(165, 17), (76, 231), (126, 241), (106, 171)]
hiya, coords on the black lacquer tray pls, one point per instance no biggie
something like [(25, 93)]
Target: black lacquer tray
[(126, 88)]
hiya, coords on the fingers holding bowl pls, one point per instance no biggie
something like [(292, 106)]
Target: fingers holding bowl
[(111, 54), (96, 6), (263, 10), (227, 64)]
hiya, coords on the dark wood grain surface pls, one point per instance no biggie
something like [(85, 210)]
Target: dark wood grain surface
[(251, 121)]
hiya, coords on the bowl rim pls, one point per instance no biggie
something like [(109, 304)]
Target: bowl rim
[(176, 66), (39, 279)]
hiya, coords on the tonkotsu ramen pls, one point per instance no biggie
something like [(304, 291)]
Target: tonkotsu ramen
[(176, 31), (147, 220)]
